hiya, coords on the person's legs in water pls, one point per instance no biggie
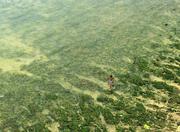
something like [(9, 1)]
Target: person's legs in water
[(111, 87)]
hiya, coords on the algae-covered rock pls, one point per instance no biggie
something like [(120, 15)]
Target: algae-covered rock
[(54, 127)]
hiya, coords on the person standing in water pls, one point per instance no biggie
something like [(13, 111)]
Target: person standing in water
[(111, 82)]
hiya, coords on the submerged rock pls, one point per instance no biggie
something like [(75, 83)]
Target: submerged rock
[(1, 96), (54, 127), (45, 112)]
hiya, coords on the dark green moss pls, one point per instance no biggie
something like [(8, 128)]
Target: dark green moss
[(104, 99), (176, 46), (171, 59), (172, 67), (165, 73), (141, 63), (100, 129), (109, 117), (135, 90), (162, 57), (37, 128), (85, 99), (127, 119), (155, 45), (136, 79), (118, 105), (177, 59), (168, 74), (146, 75), (85, 129), (161, 118), (10, 123), (138, 115), (51, 96), (147, 94), (33, 108), (177, 80), (162, 85), (140, 107), (174, 99)]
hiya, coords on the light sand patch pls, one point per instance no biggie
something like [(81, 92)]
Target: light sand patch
[(147, 49), (175, 116), (167, 41), (168, 13), (160, 105), (154, 78), (178, 129), (151, 35), (175, 85), (94, 80), (45, 112), (14, 42), (119, 93), (106, 68), (149, 104), (98, 82), (156, 28), (12, 65), (102, 66), (70, 87)]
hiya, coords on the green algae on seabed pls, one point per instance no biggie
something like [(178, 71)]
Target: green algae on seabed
[(55, 57)]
